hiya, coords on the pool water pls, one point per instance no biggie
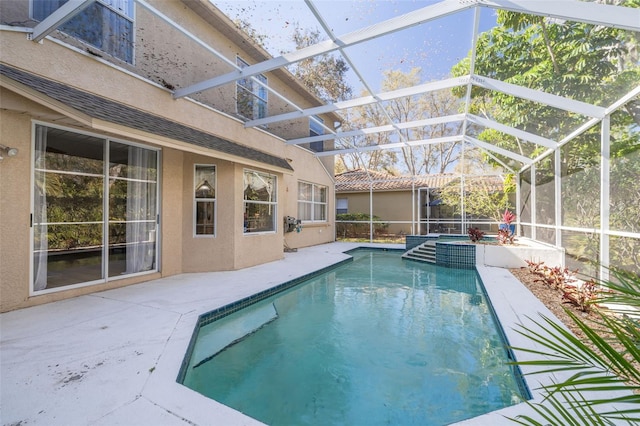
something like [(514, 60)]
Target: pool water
[(380, 340)]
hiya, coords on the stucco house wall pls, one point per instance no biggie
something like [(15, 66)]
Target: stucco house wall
[(64, 60), (409, 199), (389, 206)]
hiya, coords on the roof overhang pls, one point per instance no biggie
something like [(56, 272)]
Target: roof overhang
[(91, 111)]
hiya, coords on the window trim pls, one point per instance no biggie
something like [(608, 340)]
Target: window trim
[(338, 207), (254, 92), (313, 203), (316, 129), (105, 221), (272, 203), (214, 200), (121, 14)]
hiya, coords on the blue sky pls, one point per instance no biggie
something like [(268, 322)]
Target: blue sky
[(434, 47)]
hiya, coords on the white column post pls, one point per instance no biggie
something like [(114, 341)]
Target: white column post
[(533, 202), (558, 195), (371, 211), (605, 151)]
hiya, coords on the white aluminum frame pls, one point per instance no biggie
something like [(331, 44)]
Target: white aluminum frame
[(574, 10)]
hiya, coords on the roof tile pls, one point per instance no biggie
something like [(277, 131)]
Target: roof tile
[(362, 180)]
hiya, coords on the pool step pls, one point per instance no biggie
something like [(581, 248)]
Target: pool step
[(425, 252)]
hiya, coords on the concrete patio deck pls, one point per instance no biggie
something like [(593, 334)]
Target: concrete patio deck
[(112, 358)]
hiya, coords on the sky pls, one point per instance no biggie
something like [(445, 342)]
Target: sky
[(435, 47)]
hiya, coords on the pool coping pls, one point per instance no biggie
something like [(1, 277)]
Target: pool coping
[(56, 371), (514, 306)]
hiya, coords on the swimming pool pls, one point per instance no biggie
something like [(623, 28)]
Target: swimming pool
[(378, 340)]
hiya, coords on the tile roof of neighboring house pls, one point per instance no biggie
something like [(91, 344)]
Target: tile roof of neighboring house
[(359, 180), (114, 112)]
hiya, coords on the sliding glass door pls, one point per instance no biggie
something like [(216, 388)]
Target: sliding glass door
[(94, 209)]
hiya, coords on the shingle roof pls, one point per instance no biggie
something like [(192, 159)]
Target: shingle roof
[(114, 112), (360, 180)]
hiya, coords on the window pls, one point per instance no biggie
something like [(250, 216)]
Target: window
[(312, 202), (95, 209), (251, 97), (342, 206), (204, 199), (316, 129), (106, 24), (260, 202)]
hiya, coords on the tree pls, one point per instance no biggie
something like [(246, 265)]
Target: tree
[(590, 63), (427, 158), (480, 198), (415, 160), (573, 60), (593, 64), (324, 75), (380, 160), (475, 162)]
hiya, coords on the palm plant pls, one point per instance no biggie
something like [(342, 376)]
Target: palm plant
[(603, 369)]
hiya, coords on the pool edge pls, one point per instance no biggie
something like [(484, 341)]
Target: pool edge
[(514, 305), (230, 308)]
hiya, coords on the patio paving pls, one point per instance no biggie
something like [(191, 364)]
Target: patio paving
[(112, 358)]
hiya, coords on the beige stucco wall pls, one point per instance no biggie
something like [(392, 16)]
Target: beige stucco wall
[(169, 58), (208, 253), (311, 232), (387, 205), (180, 251), (15, 210), (15, 131), (172, 213), (253, 249), (164, 51)]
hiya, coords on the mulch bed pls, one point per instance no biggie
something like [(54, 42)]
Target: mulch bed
[(553, 300)]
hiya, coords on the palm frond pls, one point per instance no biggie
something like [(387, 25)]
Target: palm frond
[(605, 365), (564, 409), (624, 287), (563, 351), (610, 357)]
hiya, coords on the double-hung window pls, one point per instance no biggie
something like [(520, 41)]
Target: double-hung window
[(342, 206), (204, 200), (251, 97), (106, 24), (312, 202), (260, 202), (95, 208), (316, 129)]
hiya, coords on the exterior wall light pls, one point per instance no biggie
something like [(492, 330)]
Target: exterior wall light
[(8, 152)]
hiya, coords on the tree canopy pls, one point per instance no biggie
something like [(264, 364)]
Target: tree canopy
[(589, 63), (415, 160)]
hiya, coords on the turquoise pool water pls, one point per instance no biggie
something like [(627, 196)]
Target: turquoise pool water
[(376, 341)]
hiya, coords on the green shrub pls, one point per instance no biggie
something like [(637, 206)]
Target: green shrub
[(354, 225)]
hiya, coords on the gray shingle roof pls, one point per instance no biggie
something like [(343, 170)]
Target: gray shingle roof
[(114, 112)]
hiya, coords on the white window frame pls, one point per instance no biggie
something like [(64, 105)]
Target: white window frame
[(316, 129), (205, 200), (273, 204), (339, 205), (127, 15), (313, 203), (258, 93), (105, 221)]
